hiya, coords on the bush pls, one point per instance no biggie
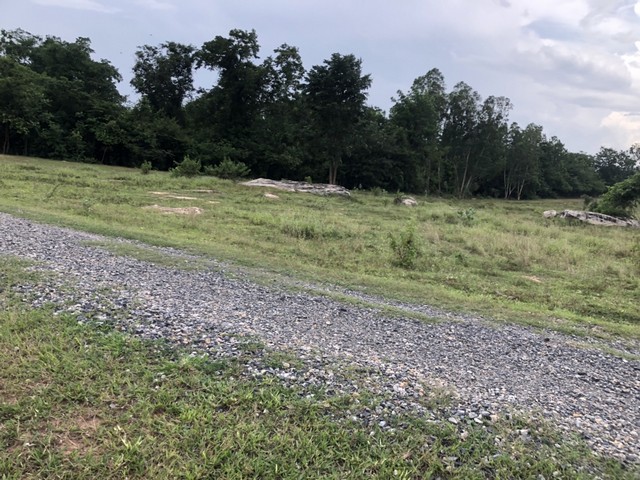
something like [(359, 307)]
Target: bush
[(228, 169), (146, 167), (621, 199), (187, 168), (467, 216), (406, 248)]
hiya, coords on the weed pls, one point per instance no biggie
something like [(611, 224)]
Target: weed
[(146, 167), (406, 248), (188, 167), (467, 216), (228, 169), (330, 240)]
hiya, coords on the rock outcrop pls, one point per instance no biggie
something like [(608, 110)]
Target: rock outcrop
[(594, 218), (304, 187)]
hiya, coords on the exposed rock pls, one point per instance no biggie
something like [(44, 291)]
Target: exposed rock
[(407, 201), (293, 186), (176, 211), (271, 195), (593, 218), (168, 195)]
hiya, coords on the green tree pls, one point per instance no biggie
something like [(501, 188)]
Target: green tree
[(621, 199), (164, 76), (79, 92), (613, 166), (278, 133), (522, 169), (418, 116), (235, 102), (335, 93), (23, 104)]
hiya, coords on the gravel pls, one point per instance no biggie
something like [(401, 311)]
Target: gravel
[(490, 370)]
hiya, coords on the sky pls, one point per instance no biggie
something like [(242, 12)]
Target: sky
[(572, 66)]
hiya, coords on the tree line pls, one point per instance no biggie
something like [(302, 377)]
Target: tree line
[(273, 118)]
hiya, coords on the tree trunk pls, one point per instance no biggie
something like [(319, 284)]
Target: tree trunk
[(5, 143)]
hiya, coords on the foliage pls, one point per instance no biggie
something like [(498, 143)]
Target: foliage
[(335, 93), (86, 401), (188, 167), (484, 267), (621, 199), (467, 216), (163, 75), (146, 167), (406, 248), (281, 121), (614, 166), (228, 169)]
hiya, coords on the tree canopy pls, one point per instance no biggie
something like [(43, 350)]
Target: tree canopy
[(277, 119)]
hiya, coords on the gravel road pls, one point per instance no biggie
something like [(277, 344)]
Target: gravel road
[(489, 369)]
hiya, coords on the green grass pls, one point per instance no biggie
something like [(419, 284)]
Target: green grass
[(83, 401), (498, 258)]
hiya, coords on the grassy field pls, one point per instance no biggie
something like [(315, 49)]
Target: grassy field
[(498, 258), (86, 402)]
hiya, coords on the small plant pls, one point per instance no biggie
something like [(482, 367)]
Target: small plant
[(587, 201), (377, 191), (406, 248), (228, 169), (188, 167), (467, 216), (146, 167), (308, 179), (621, 199)]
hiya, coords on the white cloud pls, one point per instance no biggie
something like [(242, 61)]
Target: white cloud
[(156, 4), (91, 5), (623, 126)]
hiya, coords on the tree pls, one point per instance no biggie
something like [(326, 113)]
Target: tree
[(235, 102), (614, 166), (23, 105), (522, 167), (278, 128), (621, 199), (75, 92), (335, 93), (164, 76), (418, 115), (459, 134)]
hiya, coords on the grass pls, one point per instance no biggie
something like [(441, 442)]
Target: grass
[(84, 401), (498, 258)]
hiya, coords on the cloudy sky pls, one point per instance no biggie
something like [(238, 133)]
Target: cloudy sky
[(572, 66)]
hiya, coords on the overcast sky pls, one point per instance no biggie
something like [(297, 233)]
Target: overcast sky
[(572, 66)]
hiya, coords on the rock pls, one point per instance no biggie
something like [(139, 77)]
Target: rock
[(594, 218), (303, 187), (407, 201), (271, 195), (175, 211)]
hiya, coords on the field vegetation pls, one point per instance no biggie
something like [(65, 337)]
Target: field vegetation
[(498, 258), (84, 402)]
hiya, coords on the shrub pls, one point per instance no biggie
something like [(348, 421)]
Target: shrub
[(467, 216), (621, 199), (406, 248), (146, 167), (188, 167), (228, 169)]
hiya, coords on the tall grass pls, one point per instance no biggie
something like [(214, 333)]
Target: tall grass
[(499, 258)]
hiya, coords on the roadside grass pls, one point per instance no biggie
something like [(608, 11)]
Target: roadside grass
[(498, 258), (149, 254), (85, 401)]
